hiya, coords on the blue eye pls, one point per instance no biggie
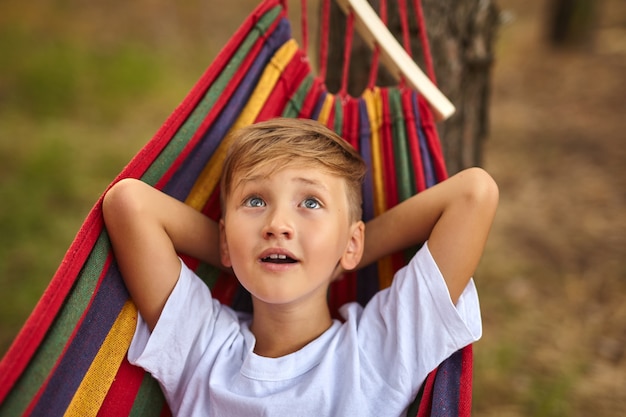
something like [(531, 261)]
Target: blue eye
[(254, 202), (311, 203)]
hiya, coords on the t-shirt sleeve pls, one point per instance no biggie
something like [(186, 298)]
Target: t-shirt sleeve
[(414, 326), (190, 320)]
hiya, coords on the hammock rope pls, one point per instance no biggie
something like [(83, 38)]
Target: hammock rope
[(343, 91), (421, 26)]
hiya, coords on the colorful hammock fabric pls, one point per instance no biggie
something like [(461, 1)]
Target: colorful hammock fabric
[(70, 356)]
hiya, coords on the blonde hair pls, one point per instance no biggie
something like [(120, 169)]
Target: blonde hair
[(283, 143)]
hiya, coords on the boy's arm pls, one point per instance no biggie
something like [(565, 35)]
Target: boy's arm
[(147, 228), (454, 216)]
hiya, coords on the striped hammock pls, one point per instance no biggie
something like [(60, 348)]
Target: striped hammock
[(70, 356)]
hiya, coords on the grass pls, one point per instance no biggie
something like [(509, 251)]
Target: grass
[(73, 112)]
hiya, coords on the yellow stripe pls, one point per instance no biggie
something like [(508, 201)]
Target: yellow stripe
[(94, 387), (326, 108), (210, 175), (374, 104)]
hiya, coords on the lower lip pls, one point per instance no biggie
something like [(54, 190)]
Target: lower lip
[(276, 267)]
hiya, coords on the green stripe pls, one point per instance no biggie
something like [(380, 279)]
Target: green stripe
[(209, 274), (60, 331), (73, 308), (402, 156), (414, 407), (149, 400), (405, 173), (338, 115), (177, 143), (294, 105)]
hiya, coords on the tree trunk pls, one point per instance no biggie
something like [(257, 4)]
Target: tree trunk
[(461, 35), (571, 22)]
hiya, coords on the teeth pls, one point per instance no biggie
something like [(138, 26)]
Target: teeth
[(277, 256)]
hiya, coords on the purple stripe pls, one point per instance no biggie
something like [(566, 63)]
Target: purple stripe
[(182, 181), (446, 391), (365, 145), (315, 115), (367, 278), (429, 172), (75, 362)]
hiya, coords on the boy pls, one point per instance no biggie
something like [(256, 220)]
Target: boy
[(291, 197)]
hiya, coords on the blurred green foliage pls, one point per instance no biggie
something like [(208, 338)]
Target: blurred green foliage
[(75, 106), (56, 77)]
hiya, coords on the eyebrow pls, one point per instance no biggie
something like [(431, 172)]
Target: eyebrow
[(311, 182)]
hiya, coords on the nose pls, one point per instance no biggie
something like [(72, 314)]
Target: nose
[(278, 224)]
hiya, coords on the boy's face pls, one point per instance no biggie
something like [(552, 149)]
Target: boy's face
[(286, 234)]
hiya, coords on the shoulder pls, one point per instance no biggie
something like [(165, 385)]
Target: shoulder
[(191, 325), (192, 308), (418, 304), (420, 274)]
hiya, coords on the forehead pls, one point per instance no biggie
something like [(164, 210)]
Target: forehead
[(316, 177), (311, 179)]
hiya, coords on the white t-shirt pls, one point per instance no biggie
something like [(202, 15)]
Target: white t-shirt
[(373, 364)]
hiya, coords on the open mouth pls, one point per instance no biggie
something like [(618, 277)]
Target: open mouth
[(278, 259)]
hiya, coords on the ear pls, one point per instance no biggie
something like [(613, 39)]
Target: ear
[(354, 249), (224, 255)]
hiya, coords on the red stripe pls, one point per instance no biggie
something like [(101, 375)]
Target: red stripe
[(350, 133), (426, 402), (311, 99), (165, 412), (43, 386), (345, 289), (225, 288), (428, 126), (121, 396), (390, 177), (414, 149), (465, 389), (44, 313), (293, 74), (212, 208), (34, 330), (391, 190), (220, 103), (351, 121), (342, 291), (147, 155)]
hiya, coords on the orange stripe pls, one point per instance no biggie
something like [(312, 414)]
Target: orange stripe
[(373, 103), (327, 106)]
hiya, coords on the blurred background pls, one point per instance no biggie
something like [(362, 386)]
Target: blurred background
[(84, 85)]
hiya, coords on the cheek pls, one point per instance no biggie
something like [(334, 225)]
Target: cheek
[(325, 237), (240, 240), (231, 240)]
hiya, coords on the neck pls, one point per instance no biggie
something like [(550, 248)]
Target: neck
[(281, 330)]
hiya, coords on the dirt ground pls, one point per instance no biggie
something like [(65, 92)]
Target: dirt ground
[(554, 272)]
